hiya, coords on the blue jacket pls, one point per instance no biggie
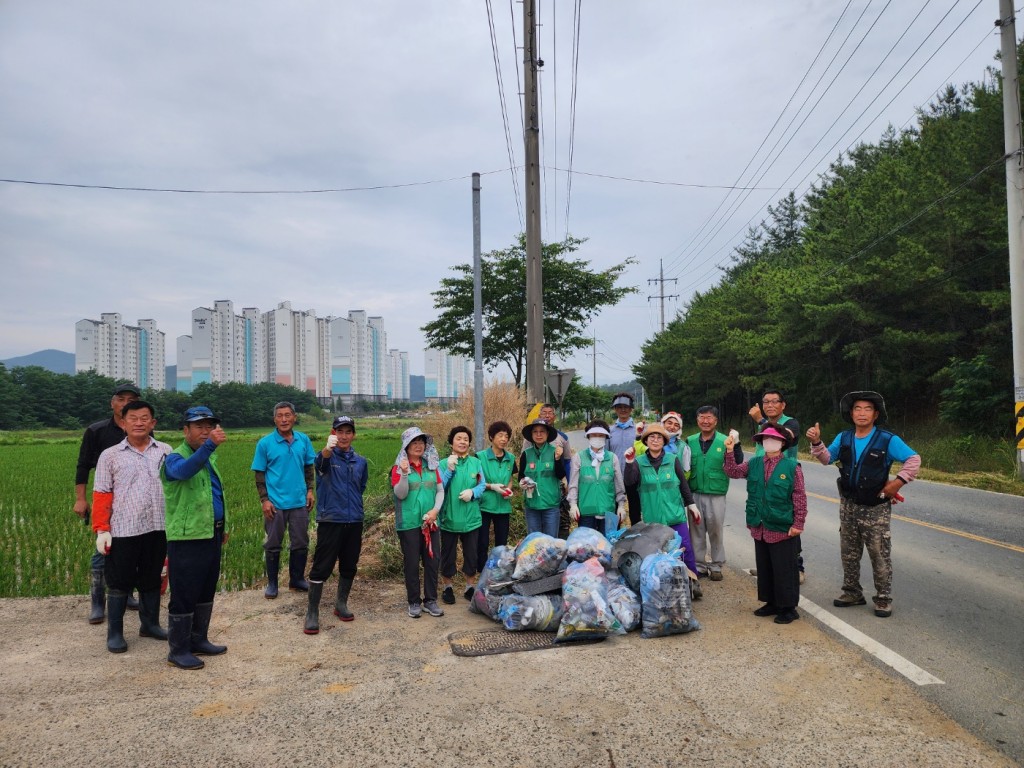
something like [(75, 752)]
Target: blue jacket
[(340, 485)]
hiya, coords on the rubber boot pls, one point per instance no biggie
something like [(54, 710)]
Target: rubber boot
[(149, 615), (117, 602), (179, 636), (312, 626), (201, 645), (341, 602), (98, 594), (273, 566), (297, 570), (133, 604)]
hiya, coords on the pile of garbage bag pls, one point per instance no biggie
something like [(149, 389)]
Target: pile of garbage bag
[(589, 587)]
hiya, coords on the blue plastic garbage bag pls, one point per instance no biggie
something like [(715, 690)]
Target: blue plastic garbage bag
[(537, 556), (495, 581), (540, 613), (585, 543), (585, 595), (665, 596)]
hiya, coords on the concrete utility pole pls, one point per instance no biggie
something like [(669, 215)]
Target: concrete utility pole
[(534, 275), (660, 279), (478, 323), (1014, 209), (594, 355)]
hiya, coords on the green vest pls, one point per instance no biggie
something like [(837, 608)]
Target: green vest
[(596, 487), (459, 516), (409, 511), (660, 501), (707, 470), (789, 453), (188, 511), (496, 471), (540, 467), (771, 504)]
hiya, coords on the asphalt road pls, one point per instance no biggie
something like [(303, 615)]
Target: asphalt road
[(958, 563)]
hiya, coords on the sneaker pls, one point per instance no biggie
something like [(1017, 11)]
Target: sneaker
[(695, 589), (787, 616), (415, 610), (883, 610), (845, 601), (431, 607), (752, 571), (716, 575), (767, 610), (468, 594), (448, 595)]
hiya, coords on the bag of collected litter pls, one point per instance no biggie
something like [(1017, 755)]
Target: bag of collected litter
[(625, 604), (585, 595), (636, 543), (665, 596), (541, 613), (585, 543), (495, 581), (537, 556)]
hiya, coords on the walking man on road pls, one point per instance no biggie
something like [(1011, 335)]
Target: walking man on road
[(865, 454), (97, 438), (283, 465)]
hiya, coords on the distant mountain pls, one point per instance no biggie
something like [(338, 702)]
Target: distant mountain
[(51, 359)]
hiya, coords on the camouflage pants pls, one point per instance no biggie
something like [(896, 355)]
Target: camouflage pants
[(866, 527)]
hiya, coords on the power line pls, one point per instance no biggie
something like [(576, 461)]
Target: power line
[(577, 8), (504, 112)]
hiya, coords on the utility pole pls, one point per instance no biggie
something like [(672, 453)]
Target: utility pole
[(478, 322), (534, 274), (1014, 209), (594, 355), (660, 279)]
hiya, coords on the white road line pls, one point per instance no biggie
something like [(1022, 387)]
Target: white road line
[(886, 655)]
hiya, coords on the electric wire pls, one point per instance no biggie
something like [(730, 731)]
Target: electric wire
[(504, 113), (577, 17)]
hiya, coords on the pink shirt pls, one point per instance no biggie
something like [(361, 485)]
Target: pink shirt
[(759, 532)]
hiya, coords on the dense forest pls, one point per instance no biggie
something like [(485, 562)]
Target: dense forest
[(891, 274)]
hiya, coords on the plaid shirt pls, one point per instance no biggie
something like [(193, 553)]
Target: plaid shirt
[(133, 477)]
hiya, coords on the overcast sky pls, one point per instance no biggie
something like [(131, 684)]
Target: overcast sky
[(310, 94)]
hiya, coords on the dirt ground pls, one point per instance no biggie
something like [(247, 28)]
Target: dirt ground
[(385, 690)]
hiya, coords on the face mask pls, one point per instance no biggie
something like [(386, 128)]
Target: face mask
[(597, 443), (771, 444)]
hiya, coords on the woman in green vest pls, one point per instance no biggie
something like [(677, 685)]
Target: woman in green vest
[(495, 505), (463, 479), (776, 511), (541, 472), (597, 496)]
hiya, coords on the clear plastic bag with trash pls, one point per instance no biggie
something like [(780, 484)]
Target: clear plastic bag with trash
[(625, 604), (585, 543), (585, 595), (540, 613), (537, 556), (495, 582), (665, 596)]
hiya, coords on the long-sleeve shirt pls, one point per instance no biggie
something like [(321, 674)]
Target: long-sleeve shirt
[(179, 468), (623, 435), (631, 475), (898, 450), (132, 477), (573, 493), (759, 532)]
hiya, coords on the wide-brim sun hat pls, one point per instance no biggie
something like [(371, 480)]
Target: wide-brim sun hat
[(654, 429), (846, 404), (411, 434), (528, 430)]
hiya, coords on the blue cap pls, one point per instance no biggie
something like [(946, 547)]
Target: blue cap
[(199, 413)]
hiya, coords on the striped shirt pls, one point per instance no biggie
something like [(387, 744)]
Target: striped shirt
[(133, 477)]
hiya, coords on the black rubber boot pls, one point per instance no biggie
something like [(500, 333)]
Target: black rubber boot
[(149, 615), (273, 566), (98, 595), (341, 602), (179, 636), (297, 570), (133, 604), (312, 626), (117, 602), (201, 645)]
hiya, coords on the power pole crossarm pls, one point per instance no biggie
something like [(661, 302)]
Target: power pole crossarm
[(661, 295)]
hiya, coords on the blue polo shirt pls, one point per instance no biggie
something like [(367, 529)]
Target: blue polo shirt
[(284, 465)]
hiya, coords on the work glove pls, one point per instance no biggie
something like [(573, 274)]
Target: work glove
[(734, 436), (630, 454), (453, 462), (103, 542), (574, 512), (621, 512), (403, 466), (332, 441), (466, 495), (694, 510), (558, 452)]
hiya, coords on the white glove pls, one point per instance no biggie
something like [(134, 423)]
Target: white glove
[(466, 495), (621, 512), (734, 435), (574, 512), (332, 441), (453, 462), (695, 511), (103, 542)]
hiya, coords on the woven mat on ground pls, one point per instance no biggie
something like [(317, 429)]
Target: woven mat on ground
[(473, 642)]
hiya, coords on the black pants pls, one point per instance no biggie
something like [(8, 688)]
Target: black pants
[(136, 561), (336, 542), (778, 575), (500, 523), (469, 546), (633, 499), (414, 551), (193, 567)]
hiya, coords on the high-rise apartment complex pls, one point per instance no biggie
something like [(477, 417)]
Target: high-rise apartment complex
[(445, 377), (132, 352)]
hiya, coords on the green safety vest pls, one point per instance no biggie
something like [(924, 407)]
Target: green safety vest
[(409, 511), (540, 467), (496, 471), (789, 453), (458, 516), (707, 470), (660, 501), (188, 504), (596, 487), (771, 504)]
